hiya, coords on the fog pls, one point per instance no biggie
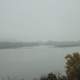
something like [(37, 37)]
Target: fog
[(37, 20), (32, 20)]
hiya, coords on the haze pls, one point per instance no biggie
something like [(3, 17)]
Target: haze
[(32, 20)]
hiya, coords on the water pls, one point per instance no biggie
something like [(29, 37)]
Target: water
[(31, 62)]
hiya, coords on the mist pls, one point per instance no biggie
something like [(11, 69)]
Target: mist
[(32, 20), (35, 37)]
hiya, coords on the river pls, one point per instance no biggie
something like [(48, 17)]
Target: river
[(32, 62)]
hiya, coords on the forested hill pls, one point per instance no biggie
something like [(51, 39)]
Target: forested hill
[(4, 45)]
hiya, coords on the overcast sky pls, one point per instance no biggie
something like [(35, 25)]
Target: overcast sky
[(31, 20)]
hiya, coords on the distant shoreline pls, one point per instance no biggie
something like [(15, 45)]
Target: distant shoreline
[(11, 45)]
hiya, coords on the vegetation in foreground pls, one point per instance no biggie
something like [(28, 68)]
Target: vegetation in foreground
[(72, 70)]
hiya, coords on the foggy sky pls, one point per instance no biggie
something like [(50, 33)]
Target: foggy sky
[(32, 20)]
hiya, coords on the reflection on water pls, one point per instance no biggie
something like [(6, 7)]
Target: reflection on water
[(31, 62)]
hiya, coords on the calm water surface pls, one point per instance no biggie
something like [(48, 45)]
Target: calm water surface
[(31, 62)]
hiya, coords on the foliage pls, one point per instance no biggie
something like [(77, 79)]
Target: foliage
[(73, 65), (72, 70), (52, 76)]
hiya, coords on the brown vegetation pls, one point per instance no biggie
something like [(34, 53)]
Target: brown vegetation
[(72, 65), (72, 69)]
